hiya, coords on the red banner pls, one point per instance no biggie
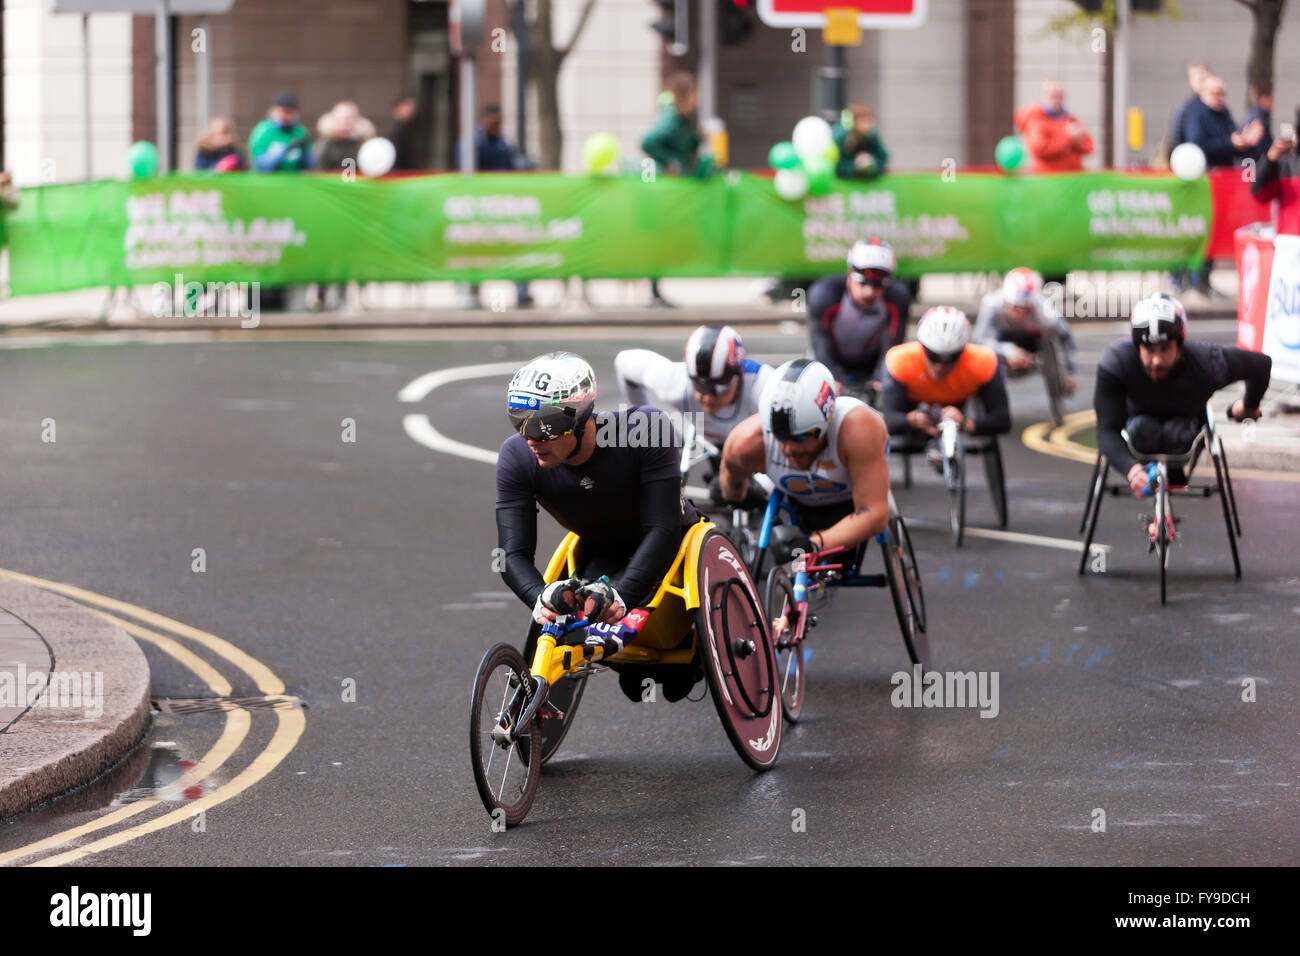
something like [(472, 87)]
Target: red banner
[(1254, 266), (1234, 207)]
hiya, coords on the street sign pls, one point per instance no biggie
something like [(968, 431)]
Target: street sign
[(872, 14), (142, 7), (842, 28)]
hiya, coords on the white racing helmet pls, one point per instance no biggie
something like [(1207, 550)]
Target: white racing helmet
[(872, 258), (1022, 287), (943, 332), (798, 400), (552, 396)]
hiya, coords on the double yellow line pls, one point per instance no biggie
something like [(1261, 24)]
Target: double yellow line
[(1059, 442), (291, 723)]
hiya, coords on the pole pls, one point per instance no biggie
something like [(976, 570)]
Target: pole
[(521, 76), (467, 113), (162, 82), (204, 78), (836, 73), (707, 81), (85, 90), (1119, 119)]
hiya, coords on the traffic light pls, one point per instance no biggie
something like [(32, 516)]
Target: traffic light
[(674, 24), (736, 22)]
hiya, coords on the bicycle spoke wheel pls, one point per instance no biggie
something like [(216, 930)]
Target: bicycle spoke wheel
[(788, 631), (736, 650), (504, 773), (897, 574)]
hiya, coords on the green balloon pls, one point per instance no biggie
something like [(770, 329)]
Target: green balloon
[(783, 156), (599, 152), (820, 173), (142, 159), (832, 153), (1010, 153)]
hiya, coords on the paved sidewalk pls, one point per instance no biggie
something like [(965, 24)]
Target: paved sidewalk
[(608, 301), (88, 703)]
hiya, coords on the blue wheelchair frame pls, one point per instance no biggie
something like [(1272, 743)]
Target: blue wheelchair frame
[(777, 502)]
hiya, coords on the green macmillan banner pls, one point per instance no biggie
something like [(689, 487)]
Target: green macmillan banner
[(278, 229)]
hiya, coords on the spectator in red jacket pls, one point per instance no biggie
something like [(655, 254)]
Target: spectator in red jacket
[(1055, 139), (1279, 178)]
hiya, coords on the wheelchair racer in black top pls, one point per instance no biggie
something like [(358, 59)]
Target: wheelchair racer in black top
[(856, 317), (1155, 385), (620, 493)]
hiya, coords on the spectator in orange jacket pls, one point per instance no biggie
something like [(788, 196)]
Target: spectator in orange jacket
[(1056, 140)]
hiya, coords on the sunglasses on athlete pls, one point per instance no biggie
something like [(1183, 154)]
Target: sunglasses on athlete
[(942, 358)]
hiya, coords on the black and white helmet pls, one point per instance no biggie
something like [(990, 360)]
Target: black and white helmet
[(943, 332), (1158, 318), (798, 400), (552, 396), (714, 357)]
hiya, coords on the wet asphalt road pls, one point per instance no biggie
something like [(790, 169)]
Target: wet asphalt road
[(370, 561)]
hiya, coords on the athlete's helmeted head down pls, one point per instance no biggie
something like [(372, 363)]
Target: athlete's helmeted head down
[(796, 408), (715, 362), (552, 397), (1158, 325)]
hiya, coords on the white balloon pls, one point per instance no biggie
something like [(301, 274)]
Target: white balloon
[(812, 135), (791, 184), (1187, 161), (376, 156)]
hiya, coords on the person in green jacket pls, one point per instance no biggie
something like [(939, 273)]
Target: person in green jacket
[(673, 142), (280, 143), (862, 154)]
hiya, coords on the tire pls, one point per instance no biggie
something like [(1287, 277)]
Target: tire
[(502, 667), (915, 593), (955, 478), (1162, 540), (780, 605), (565, 697), (735, 647), (901, 579)]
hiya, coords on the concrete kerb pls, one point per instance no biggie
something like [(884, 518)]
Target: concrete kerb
[(86, 717)]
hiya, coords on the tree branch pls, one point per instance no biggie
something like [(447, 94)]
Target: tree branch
[(581, 25)]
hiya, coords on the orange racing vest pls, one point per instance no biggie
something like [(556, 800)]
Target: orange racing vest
[(975, 369)]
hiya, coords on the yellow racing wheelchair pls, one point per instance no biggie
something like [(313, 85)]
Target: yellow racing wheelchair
[(705, 616)]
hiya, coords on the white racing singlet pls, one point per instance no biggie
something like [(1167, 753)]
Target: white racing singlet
[(647, 378), (827, 483)]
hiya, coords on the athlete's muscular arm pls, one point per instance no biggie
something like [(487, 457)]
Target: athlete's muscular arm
[(1255, 369), (1109, 401), (994, 416), (517, 530), (661, 529), (985, 332), (647, 378), (824, 295), (862, 440), (895, 405), (743, 455)]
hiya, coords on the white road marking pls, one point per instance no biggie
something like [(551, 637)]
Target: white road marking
[(1017, 537), (421, 387), (421, 430)]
